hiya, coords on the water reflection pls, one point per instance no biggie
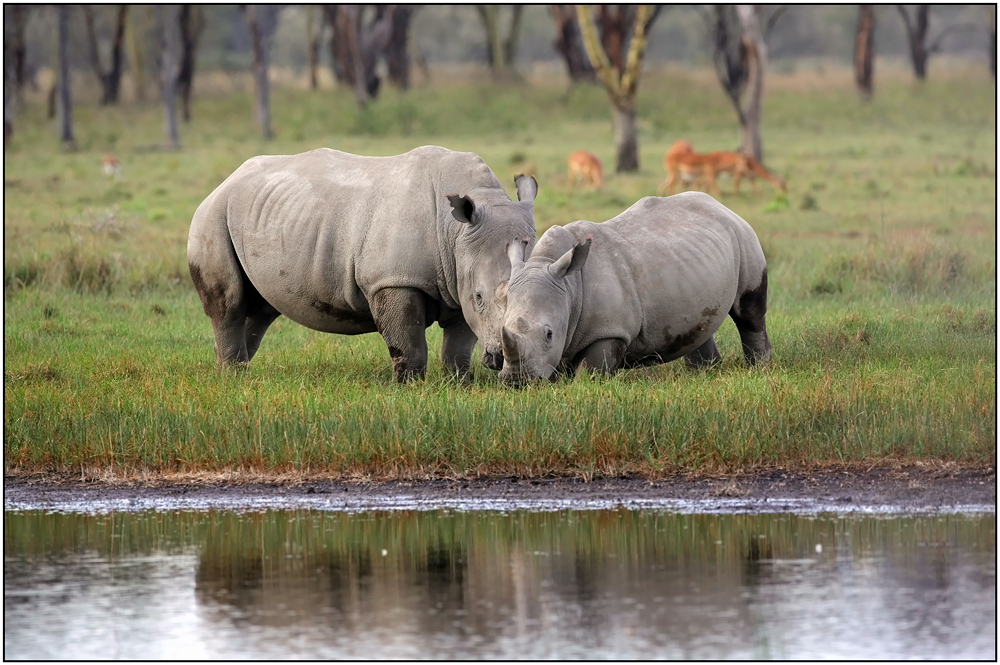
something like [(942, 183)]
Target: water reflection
[(591, 584)]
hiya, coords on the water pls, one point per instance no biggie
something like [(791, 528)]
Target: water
[(488, 584)]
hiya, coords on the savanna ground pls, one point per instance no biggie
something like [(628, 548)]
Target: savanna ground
[(882, 299)]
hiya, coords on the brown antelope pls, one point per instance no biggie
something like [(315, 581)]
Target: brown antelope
[(682, 162), (586, 165)]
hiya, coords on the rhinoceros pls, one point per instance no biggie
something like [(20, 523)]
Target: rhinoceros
[(646, 287), (347, 244)]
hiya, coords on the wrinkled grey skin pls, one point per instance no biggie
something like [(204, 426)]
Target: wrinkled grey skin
[(646, 287), (347, 244)]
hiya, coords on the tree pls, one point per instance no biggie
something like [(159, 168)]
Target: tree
[(9, 75), (356, 47), (191, 21), (500, 52), (569, 43), (137, 33), (756, 53), (916, 36), (15, 22), (397, 54), (170, 45), (63, 82), (110, 79), (991, 26), (740, 59), (864, 50), (621, 80), (315, 24), (262, 21)]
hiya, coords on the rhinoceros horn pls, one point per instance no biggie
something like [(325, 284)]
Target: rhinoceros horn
[(509, 342)]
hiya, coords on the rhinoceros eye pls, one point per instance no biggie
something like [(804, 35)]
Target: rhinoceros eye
[(479, 299), (548, 334)]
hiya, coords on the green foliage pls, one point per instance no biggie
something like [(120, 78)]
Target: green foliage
[(881, 302)]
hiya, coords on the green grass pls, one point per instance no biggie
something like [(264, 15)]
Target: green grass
[(882, 302)]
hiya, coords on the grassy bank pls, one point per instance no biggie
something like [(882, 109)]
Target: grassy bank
[(882, 306)]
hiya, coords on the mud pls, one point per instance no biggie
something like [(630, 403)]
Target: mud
[(906, 491)]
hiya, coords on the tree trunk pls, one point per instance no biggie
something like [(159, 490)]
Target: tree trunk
[(260, 22), (9, 76), (756, 51), (864, 50), (569, 44), (110, 79), (626, 139), (169, 70), (191, 22), (992, 27), (510, 44), (500, 51), (136, 34), (729, 56), (17, 20), (621, 87), (397, 54), (64, 83), (314, 36), (114, 78), (916, 35)]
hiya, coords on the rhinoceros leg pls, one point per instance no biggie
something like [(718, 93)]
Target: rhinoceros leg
[(705, 355), (401, 318), (257, 322), (605, 356), (456, 348), (749, 313)]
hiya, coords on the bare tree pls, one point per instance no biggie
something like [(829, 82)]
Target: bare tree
[(569, 43), (991, 26), (621, 81), (500, 51), (315, 23), (740, 59), (137, 34), (397, 54), (356, 47), (111, 78), (864, 50), (63, 81), (9, 74), (191, 20), (15, 22), (916, 36), (756, 53), (169, 69), (262, 21)]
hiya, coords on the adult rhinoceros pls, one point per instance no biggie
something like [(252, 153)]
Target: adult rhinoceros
[(347, 244), (656, 284)]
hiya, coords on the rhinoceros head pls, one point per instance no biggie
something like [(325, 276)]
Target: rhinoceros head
[(536, 323), (482, 269)]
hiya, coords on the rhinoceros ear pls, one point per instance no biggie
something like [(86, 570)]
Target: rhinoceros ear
[(527, 187), (571, 260), (462, 208)]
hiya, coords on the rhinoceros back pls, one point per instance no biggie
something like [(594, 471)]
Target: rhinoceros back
[(666, 274), (317, 233)]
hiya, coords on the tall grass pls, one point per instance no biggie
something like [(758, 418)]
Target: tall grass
[(882, 307)]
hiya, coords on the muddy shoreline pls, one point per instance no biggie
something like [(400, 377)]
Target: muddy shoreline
[(912, 490)]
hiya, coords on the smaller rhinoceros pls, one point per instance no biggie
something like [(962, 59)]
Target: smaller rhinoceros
[(656, 284)]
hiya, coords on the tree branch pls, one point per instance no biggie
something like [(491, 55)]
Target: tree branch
[(936, 44), (906, 20), (772, 19)]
